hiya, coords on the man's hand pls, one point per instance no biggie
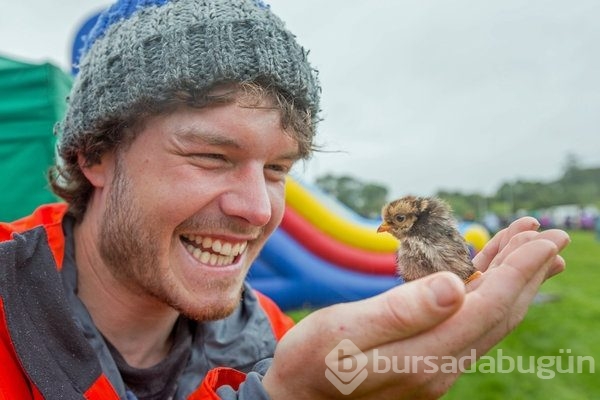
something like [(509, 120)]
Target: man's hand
[(431, 317)]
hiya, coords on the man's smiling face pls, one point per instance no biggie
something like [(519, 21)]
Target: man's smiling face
[(191, 202)]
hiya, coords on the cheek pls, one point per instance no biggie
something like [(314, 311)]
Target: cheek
[(277, 197), (178, 190)]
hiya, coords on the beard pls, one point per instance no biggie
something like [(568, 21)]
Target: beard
[(130, 248)]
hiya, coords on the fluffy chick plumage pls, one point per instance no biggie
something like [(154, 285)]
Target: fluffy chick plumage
[(429, 238)]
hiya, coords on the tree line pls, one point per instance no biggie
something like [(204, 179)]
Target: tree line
[(577, 186)]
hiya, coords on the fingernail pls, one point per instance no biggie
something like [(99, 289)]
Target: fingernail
[(444, 290)]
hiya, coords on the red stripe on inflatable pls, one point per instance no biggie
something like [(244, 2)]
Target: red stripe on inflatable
[(336, 252)]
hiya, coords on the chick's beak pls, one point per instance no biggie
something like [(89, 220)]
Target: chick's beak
[(384, 227)]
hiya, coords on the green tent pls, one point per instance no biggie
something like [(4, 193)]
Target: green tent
[(32, 100)]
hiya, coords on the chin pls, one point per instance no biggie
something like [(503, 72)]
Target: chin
[(219, 306)]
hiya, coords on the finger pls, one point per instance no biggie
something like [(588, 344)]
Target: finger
[(558, 267), (483, 259), (562, 240), (558, 237), (514, 243), (522, 224), (502, 299), (404, 311)]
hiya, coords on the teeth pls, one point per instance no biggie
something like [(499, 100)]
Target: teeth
[(226, 249), (197, 253), (210, 258), (216, 246), (223, 253), (204, 257)]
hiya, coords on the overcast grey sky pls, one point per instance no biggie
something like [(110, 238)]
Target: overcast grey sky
[(418, 95)]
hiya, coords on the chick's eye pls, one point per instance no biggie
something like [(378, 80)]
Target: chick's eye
[(400, 218)]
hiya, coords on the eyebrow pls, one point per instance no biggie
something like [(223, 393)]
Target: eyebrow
[(193, 135)]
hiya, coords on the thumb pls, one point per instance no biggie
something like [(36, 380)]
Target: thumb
[(402, 312)]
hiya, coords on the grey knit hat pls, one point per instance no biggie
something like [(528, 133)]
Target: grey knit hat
[(141, 49)]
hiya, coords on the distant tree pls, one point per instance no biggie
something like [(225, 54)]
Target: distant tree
[(365, 198), (373, 196), (577, 185), (572, 169), (464, 206)]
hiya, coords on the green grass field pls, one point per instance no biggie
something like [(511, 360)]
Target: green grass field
[(567, 327)]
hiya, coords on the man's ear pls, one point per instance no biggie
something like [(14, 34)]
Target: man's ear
[(100, 173)]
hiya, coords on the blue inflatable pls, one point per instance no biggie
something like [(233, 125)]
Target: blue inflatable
[(295, 278)]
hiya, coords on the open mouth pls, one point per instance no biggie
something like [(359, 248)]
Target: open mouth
[(213, 251)]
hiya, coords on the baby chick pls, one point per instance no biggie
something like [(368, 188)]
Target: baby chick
[(429, 238)]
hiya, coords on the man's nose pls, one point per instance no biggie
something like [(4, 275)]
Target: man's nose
[(249, 197)]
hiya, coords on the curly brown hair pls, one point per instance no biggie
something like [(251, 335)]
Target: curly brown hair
[(68, 181)]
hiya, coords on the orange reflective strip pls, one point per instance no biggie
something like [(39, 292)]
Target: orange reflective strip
[(280, 322), (216, 378), (50, 217), (102, 389)]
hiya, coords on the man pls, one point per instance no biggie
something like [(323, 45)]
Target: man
[(182, 124)]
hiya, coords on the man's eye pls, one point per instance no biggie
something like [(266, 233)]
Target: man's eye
[(210, 156), (208, 160), (277, 172), (279, 168)]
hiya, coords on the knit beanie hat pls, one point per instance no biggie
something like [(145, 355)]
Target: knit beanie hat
[(141, 49)]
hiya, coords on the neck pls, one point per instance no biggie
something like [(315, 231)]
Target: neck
[(138, 325)]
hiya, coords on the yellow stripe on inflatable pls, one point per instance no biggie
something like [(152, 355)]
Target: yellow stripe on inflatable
[(353, 234)]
